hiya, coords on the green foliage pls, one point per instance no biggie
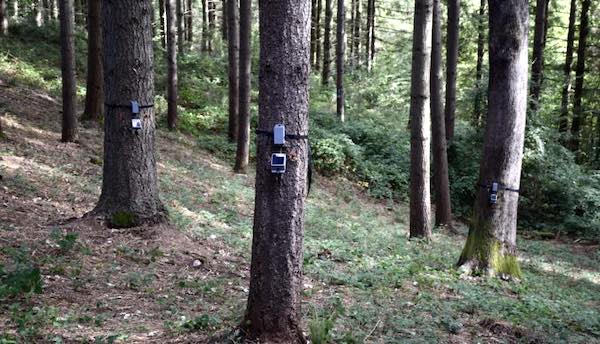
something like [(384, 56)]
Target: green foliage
[(20, 276), (65, 242)]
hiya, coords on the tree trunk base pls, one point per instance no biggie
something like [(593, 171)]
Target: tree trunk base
[(293, 336), (119, 218), (489, 258)]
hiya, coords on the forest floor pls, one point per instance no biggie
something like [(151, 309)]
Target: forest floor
[(187, 281)]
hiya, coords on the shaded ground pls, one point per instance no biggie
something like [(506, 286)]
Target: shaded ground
[(188, 281)]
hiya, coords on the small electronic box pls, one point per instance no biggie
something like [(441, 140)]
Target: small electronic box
[(278, 163), (494, 193), (136, 121)]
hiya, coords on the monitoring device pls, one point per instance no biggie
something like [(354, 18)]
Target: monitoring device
[(494, 193), (278, 162), (279, 134), (136, 121)]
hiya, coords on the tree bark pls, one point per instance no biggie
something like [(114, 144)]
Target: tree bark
[(578, 115), (563, 126), (451, 63), (3, 18), (234, 69), (243, 139), (340, 52), (440, 158), (313, 32), (172, 115), (189, 20), (224, 21), (370, 34), (318, 60), (537, 65), (420, 125), (39, 13), (273, 313), (205, 25), (491, 244), (356, 38), (67, 50), (479, 69), (211, 24), (161, 18), (130, 184), (94, 96), (180, 23), (327, 43)]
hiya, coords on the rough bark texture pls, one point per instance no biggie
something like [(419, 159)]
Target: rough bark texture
[(3, 18), (340, 52), (171, 64), (67, 52), (420, 125), (451, 63), (479, 69), (161, 18), (180, 29), (491, 244), (327, 43), (273, 313), (578, 115), (130, 183), (189, 16), (563, 125), (440, 159), (537, 65), (94, 96), (243, 131), (234, 69)]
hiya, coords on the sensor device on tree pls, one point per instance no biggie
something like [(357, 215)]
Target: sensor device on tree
[(278, 163), (136, 121), (494, 193)]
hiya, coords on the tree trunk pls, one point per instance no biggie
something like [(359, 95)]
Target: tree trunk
[(356, 40), (224, 21), (451, 63), (172, 116), (563, 126), (491, 244), (313, 32), (340, 52), (318, 36), (243, 139), (370, 34), (15, 10), (537, 65), (273, 314), (440, 158), (204, 25), (327, 43), (211, 24), (180, 23), (352, 33), (578, 115), (130, 183), (189, 20), (94, 96), (420, 125), (234, 69), (67, 52), (39, 13), (479, 72), (3, 18), (161, 14)]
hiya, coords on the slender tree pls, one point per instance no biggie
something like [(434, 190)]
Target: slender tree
[(563, 126), (3, 18), (313, 32), (370, 34), (130, 184), (189, 16), (205, 36), (327, 43), (451, 63), (440, 158), (537, 65), (243, 139), (180, 23), (94, 96), (234, 69), (172, 115), (211, 24), (479, 69), (578, 115), (161, 18), (67, 51), (318, 60), (356, 38), (39, 13), (491, 244), (224, 21), (340, 57), (274, 300)]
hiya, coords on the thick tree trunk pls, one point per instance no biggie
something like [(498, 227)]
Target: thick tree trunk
[(161, 18), (180, 28), (234, 69), (420, 125), (327, 43), (243, 139), (491, 244), (578, 115), (172, 115), (3, 18), (67, 52), (563, 125), (440, 159), (451, 63), (94, 96), (189, 17), (130, 183), (479, 69), (273, 314), (537, 65), (340, 52)]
